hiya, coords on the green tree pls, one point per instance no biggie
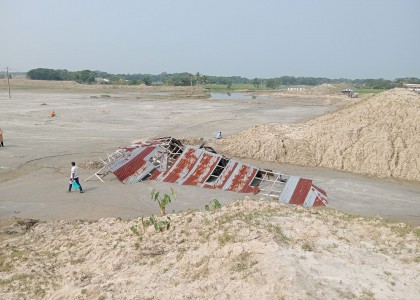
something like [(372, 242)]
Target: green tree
[(85, 76), (44, 74), (147, 80), (272, 83), (256, 82)]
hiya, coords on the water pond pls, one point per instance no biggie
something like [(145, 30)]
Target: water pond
[(232, 96)]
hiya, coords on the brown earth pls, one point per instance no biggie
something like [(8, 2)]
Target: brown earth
[(377, 136)]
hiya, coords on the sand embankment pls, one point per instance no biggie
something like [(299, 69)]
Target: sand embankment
[(377, 136), (246, 250)]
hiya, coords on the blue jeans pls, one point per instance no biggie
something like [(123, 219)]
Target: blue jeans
[(77, 181)]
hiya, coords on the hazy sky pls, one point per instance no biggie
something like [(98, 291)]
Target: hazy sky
[(266, 38)]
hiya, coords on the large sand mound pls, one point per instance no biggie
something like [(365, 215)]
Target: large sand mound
[(377, 136), (247, 250)]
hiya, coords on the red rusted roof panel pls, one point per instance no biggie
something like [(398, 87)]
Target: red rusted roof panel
[(132, 165), (123, 158), (241, 178), (202, 169), (155, 175), (301, 191), (196, 166), (323, 192), (142, 172), (223, 177), (182, 165)]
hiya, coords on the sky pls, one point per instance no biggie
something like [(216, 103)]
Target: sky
[(254, 39)]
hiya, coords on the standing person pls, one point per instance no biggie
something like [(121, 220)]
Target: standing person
[(74, 176), (1, 138)]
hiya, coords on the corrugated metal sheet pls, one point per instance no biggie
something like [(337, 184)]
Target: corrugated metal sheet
[(135, 165), (202, 169), (224, 176), (196, 166), (300, 191), (182, 166), (146, 168), (236, 177), (124, 155), (241, 178)]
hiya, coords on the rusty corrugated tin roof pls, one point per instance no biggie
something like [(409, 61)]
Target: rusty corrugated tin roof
[(166, 159), (301, 191), (132, 168)]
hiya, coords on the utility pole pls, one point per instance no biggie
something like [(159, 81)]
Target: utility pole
[(8, 83), (191, 92)]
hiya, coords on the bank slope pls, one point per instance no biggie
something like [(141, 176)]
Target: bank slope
[(246, 250), (377, 136)]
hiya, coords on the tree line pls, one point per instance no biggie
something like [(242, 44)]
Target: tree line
[(85, 76), (189, 79)]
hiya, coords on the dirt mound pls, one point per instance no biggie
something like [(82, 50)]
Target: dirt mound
[(247, 250), (325, 89), (376, 136), (195, 141)]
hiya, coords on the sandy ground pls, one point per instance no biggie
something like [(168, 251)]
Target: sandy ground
[(35, 164), (93, 121), (246, 249)]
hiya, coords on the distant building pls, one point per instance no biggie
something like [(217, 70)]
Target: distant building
[(412, 87), (102, 80), (295, 89), (349, 92)]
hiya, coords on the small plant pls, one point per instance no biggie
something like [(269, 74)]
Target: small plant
[(213, 205), (135, 231), (162, 201), (145, 223), (307, 246), (225, 238), (160, 225)]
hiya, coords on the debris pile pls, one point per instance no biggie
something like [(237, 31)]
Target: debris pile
[(166, 159)]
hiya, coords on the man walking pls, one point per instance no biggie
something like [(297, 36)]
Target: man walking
[(74, 177)]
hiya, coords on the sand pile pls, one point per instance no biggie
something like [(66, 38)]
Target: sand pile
[(247, 250), (377, 136), (324, 89)]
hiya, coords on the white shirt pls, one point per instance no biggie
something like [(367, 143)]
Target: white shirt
[(75, 171)]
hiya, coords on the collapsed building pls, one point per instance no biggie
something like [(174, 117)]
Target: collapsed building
[(166, 159)]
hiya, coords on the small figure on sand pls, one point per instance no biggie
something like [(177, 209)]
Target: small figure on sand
[(74, 177), (219, 135), (1, 138), (52, 114)]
